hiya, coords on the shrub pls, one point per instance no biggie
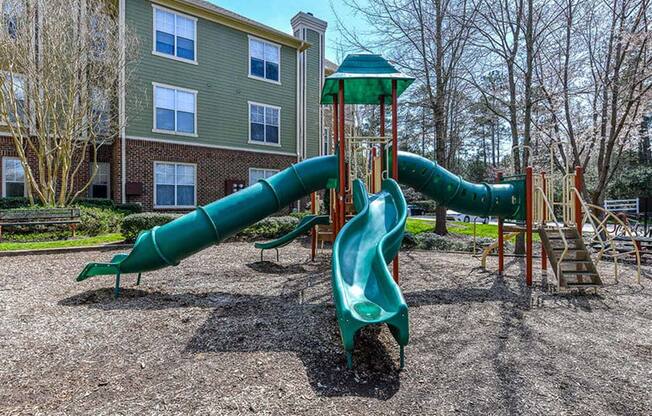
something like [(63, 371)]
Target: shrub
[(14, 202), (300, 215), (409, 241), (97, 220), (427, 205), (130, 207), (94, 202), (133, 224), (272, 227), (432, 241)]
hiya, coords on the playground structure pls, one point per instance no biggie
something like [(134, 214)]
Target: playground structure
[(367, 211)]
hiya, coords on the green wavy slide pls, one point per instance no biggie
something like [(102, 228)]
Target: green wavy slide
[(362, 286)]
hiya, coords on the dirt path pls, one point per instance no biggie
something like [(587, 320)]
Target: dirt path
[(226, 334)]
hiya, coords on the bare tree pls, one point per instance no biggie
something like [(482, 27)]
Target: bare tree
[(62, 62)]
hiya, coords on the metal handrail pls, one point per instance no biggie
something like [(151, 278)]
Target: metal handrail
[(559, 229), (627, 230)]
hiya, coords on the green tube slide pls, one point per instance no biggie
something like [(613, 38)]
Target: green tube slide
[(364, 290), (169, 244)]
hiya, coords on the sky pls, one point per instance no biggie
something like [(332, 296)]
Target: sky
[(277, 14)]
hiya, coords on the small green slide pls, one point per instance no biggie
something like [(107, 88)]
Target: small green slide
[(363, 287), (305, 224)]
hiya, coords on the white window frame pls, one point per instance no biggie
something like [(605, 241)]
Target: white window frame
[(22, 77), (173, 132), (264, 143), (277, 46), (4, 176), (156, 205), (266, 170), (165, 55), (108, 183)]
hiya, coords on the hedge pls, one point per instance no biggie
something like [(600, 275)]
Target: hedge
[(268, 228), (14, 202)]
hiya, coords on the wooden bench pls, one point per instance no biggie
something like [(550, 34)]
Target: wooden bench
[(49, 216)]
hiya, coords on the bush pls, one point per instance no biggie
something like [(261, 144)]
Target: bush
[(432, 241), (133, 224), (130, 207), (300, 215), (427, 205), (272, 227), (94, 202), (14, 202), (96, 220), (409, 241)]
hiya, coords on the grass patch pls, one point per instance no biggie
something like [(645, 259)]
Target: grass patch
[(77, 242), (416, 227)]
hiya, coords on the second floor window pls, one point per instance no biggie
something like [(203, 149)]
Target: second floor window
[(100, 112), (264, 124), (174, 34), (264, 60), (11, 12), (175, 110), (13, 89)]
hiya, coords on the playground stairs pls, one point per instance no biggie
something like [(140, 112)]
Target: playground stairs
[(577, 270)]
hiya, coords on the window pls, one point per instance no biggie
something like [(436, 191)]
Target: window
[(175, 110), (174, 184), (13, 87), (327, 141), (264, 60), (13, 177), (174, 35), (264, 124), (12, 11), (99, 112), (100, 185), (256, 174)]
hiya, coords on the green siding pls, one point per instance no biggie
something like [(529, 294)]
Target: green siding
[(221, 79), (312, 94)]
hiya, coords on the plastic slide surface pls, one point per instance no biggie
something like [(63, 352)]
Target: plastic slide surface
[(305, 224), (363, 287), (167, 245)]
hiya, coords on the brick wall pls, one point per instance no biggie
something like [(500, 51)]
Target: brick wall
[(214, 167), (104, 154)]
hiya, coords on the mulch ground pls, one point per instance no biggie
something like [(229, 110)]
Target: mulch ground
[(225, 333)]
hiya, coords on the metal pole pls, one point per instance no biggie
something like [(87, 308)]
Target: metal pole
[(528, 226), (342, 167), (313, 230), (336, 137), (395, 156), (544, 214), (382, 132), (501, 237)]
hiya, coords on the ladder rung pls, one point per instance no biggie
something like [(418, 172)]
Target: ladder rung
[(580, 272)]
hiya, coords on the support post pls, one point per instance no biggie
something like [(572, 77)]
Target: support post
[(544, 214), (342, 159), (578, 204), (501, 237), (528, 226), (313, 230), (383, 148), (334, 205), (395, 157)]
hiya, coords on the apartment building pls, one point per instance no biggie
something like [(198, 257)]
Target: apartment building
[(216, 101)]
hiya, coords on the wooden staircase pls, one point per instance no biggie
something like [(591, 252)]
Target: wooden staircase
[(577, 270)]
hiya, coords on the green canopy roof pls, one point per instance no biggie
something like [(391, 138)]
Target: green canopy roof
[(366, 78)]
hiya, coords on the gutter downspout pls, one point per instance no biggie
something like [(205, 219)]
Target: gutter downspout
[(122, 102)]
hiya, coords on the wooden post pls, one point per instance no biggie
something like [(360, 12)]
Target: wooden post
[(501, 237), (578, 204), (528, 226), (395, 157), (342, 166), (544, 214)]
